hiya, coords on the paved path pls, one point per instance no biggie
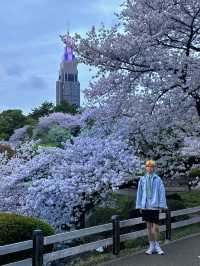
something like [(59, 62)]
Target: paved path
[(183, 252)]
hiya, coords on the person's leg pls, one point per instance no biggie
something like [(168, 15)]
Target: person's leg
[(151, 238), (150, 231), (155, 232)]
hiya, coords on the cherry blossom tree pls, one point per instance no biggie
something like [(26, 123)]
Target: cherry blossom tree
[(147, 81), (20, 134), (155, 45), (58, 185)]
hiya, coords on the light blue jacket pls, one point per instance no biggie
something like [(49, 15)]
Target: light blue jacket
[(158, 199)]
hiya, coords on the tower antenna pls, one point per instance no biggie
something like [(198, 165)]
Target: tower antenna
[(68, 27), (66, 39)]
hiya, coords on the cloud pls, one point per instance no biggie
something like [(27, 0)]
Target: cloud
[(37, 82), (7, 71), (33, 82), (14, 70), (2, 71)]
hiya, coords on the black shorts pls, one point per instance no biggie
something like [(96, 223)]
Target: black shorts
[(151, 216)]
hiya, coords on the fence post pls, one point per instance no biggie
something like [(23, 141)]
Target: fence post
[(168, 225), (38, 244), (116, 234)]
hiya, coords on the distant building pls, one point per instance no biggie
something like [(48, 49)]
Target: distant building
[(68, 86)]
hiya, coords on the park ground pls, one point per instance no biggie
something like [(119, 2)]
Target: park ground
[(182, 252), (137, 246)]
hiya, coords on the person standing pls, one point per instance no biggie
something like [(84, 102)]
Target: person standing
[(150, 200)]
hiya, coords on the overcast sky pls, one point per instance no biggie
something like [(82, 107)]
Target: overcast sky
[(30, 48)]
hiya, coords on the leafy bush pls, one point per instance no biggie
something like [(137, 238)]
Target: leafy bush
[(101, 216), (174, 205), (174, 196), (116, 204), (16, 228), (9, 121), (57, 135)]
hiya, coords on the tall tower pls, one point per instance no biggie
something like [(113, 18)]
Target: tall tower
[(67, 85)]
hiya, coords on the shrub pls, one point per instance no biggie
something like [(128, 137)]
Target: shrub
[(174, 205), (174, 196), (57, 135), (101, 216), (115, 204), (16, 228)]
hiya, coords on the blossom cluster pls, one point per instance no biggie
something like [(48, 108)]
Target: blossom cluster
[(58, 184)]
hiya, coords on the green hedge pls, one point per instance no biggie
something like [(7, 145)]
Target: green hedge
[(16, 228), (121, 205), (174, 196), (174, 205)]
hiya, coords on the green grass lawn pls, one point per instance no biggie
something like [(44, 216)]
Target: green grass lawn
[(190, 199)]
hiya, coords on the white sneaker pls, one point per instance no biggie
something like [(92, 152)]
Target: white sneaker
[(150, 251), (159, 250), (100, 249)]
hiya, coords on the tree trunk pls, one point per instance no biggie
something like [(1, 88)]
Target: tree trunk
[(197, 100)]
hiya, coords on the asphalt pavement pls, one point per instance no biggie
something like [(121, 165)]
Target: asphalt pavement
[(183, 252)]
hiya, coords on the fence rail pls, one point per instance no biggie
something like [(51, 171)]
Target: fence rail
[(77, 233), (60, 254), (39, 259), (20, 246), (26, 262)]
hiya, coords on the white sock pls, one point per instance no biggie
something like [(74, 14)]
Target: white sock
[(151, 243), (157, 244)]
